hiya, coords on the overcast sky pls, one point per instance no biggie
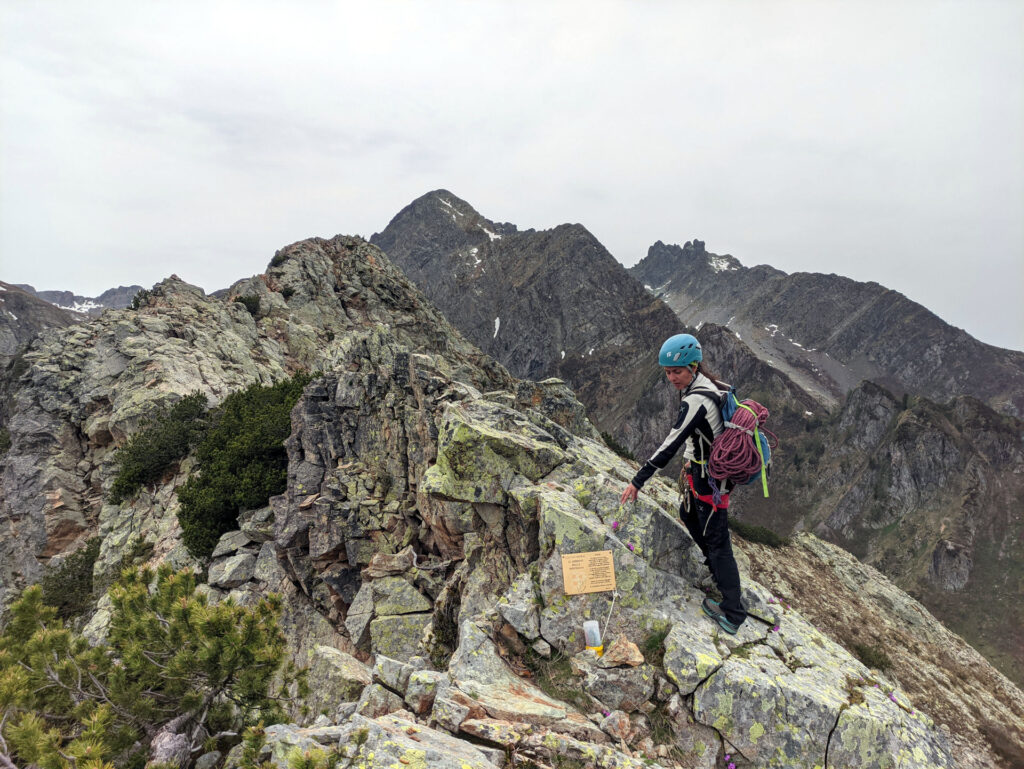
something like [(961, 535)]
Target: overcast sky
[(879, 140)]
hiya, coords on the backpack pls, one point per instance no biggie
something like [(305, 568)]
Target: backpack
[(743, 452)]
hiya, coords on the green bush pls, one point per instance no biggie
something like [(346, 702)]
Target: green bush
[(68, 704), (618, 448), (141, 299), (758, 534), (151, 451), (871, 656), (68, 588), (241, 461), (251, 303), (278, 259)]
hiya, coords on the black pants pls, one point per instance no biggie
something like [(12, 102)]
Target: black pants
[(710, 530)]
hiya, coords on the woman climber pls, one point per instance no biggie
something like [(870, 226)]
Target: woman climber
[(704, 510)]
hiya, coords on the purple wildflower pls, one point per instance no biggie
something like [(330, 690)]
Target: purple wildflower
[(615, 525), (732, 765), (630, 546), (605, 713), (775, 629), (728, 757)]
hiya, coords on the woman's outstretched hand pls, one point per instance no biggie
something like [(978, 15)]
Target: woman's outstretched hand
[(629, 495)]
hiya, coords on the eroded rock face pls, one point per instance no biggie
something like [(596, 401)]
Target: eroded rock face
[(82, 390)]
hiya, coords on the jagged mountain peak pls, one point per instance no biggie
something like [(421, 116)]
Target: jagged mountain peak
[(442, 218), (829, 332)]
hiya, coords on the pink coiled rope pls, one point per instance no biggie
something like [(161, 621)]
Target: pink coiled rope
[(734, 454)]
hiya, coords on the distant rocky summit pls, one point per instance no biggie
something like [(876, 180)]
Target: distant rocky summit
[(549, 303), (829, 332), (113, 298), (418, 551)]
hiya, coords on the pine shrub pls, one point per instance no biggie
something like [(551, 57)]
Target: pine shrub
[(241, 461), (618, 448), (250, 302), (151, 451), (71, 705), (69, 587), (140, 300)]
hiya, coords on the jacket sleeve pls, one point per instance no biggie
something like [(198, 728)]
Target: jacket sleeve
[(690, 415)]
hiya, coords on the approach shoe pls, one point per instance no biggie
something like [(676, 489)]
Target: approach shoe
[(712, 609)]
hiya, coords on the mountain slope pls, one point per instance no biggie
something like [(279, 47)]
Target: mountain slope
[(893, 482), (549, 303), (430, 498), (830, 332)]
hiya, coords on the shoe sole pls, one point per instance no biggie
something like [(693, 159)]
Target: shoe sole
[(727, 626)]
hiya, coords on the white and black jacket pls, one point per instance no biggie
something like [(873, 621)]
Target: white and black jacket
[(698, 424)]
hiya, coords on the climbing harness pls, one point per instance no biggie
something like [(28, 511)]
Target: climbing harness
[(722, 503)]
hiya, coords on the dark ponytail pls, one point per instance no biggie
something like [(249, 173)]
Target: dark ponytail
[(703, 369)]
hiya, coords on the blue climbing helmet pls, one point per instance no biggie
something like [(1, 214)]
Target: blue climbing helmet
[(680, 350)]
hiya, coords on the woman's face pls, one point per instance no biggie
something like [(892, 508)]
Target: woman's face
[(679, 376)]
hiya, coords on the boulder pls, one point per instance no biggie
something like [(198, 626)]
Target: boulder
[(359, 616), (377, 700), (423, 688), (618, 688), (334, 678), (232, 571), (394, 595), (398, 635), (392, 673), (397, 741), (519, 607), (231, 542)]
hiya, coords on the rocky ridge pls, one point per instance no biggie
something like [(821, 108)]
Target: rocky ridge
[(548, 303), (829, 332), (418, 544), (929, 493), (85, 388)]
